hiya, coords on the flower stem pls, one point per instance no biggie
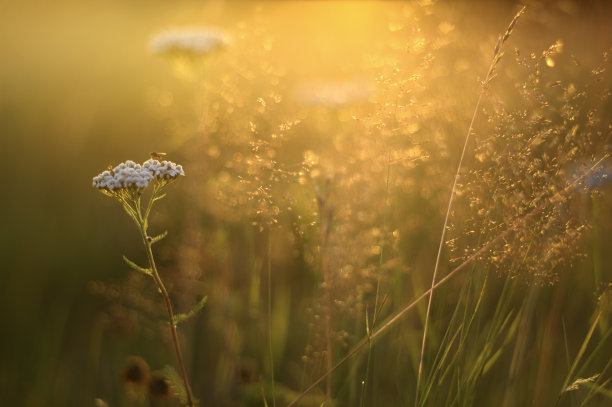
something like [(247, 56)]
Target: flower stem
[(166, 297)]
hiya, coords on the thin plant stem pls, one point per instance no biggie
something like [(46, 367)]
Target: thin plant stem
[(380, 263), (270, 316), (162, 288), (489, 76), (325, 215), (328, 341)]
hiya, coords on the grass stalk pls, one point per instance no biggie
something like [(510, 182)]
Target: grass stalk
[(326, 213), (578, 357), (270, 316), (489, 76), (376, 306)]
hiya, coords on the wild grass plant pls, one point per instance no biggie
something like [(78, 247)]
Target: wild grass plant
[(310, 226)]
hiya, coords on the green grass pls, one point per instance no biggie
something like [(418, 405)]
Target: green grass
[(310, 221)]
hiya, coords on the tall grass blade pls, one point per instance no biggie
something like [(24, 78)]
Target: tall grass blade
[(489, 76)]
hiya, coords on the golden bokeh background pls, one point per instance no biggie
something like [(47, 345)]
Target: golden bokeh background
[(306, 90)]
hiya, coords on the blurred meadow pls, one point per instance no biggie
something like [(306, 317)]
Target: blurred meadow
[(320, 142)]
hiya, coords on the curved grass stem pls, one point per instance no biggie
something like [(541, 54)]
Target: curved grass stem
[(489, 76)]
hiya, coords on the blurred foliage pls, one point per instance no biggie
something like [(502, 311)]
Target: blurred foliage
[(319, 147)]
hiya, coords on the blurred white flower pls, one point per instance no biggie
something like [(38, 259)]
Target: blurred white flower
[(189, 41), (334, 94)]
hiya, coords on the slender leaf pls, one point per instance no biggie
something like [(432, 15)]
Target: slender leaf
[(596, 389), (585, 343), (597, 385), (159, 237), (509, 335), (178, 318), (136, 267)]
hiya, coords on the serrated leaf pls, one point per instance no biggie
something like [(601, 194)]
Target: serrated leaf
[(178, 318), (136, 267), (159, 237), (176, 385)]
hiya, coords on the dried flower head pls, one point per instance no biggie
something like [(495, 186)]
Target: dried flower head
[(135, 371)]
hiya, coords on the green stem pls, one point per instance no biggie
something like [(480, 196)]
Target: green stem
[(166, 297), (156, 188), (380, 264), (490, 75), (270, 315)]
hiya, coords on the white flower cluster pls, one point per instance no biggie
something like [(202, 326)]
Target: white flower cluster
[(194, 41), (164, 169), (129, 175)]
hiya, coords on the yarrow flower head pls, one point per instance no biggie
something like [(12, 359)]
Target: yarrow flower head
[(163, 170), (127, 175), (189, 41), (132, 177)]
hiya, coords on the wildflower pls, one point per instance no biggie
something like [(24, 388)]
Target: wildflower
[(132, 176), (189, 41), (163, 170), (125, 183)]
